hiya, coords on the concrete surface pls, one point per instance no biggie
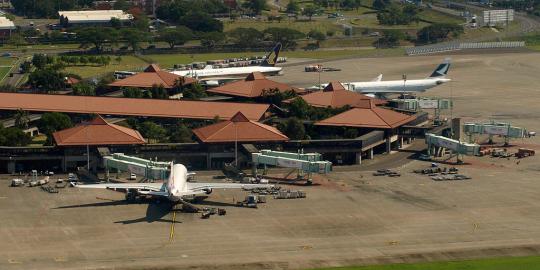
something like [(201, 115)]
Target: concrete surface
[(352, 217)]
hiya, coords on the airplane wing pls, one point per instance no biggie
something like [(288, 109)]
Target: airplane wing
[(195, 187), (377, 79), (155, 187)]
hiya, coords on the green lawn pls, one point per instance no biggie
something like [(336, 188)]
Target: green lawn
[(368, 52), (7, 61), (30, 48), (370, 21), (356, 41), (168, 60), (128, 63), (439, 17), (302, 26), (4, 70), (514, 263)]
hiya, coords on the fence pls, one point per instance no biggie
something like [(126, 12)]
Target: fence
[(462, 46)]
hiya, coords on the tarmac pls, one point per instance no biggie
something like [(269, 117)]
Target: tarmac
[(349, 218)]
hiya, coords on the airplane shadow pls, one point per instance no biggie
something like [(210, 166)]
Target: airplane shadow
[(213, 203), (154, 212), (107, 203)]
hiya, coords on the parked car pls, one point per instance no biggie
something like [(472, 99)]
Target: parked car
[(72, 177)]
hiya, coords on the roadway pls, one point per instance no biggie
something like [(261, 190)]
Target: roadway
[(528, 23), (11, 121)]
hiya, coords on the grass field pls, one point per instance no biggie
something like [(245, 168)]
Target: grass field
[(127, 63), (6, 63), (168, 60), (435, 16), (515, 263), (370, 21), (30, 48), (303, 26), (132, 63), (4, 70), (361, 41)]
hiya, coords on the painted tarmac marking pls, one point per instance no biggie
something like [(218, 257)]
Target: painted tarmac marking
[(12, 261), (171, 236)]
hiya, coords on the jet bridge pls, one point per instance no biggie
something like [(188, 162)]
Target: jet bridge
[(436, 144), (148, 169), (506, 130), (415, 104), (304, 163), (423, 103)]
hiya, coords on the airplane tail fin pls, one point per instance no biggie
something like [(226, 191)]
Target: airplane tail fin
[(442, 69), (271, 59)]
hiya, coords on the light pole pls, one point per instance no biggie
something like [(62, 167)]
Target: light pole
[(235, 144), (404, 76)]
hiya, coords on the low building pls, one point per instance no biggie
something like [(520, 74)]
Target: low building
[(252, 86), (92, 17), (93, 134), (98, 132), (239, 129), (151, 76), (189, 109), (334, 95), (368, 116), (6, 27)]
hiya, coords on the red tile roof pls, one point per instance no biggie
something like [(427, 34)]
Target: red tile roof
[(252, 86), (368, 117), (130, 106), (151, 76), (336, 96), (97, 132), (71, 80), (241, 129)]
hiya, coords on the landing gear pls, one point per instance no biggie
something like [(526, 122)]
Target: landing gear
[(131, 196)]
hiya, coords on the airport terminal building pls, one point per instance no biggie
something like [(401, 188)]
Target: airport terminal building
[(239, 133)]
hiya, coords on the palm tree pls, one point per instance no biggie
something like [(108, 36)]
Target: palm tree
[(21, 119)]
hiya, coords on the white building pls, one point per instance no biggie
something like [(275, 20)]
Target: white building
[(94, 16), (6, 26)]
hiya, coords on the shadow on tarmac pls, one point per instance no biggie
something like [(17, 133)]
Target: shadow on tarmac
[(154, 212)]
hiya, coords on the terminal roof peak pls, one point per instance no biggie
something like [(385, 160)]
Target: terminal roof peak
[(255, 76), (98, 120), (334, 86), (239, 117), (152, 68)]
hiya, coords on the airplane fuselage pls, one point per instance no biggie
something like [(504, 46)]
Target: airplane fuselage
[(397, 86), (177, 184), (233, 71)]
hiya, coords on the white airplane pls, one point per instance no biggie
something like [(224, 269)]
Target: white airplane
[(379, 87), (267, 67), (175, 189)]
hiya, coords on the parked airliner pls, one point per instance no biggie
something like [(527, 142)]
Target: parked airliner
[(380, 87), (267, 67), (176, 188)]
